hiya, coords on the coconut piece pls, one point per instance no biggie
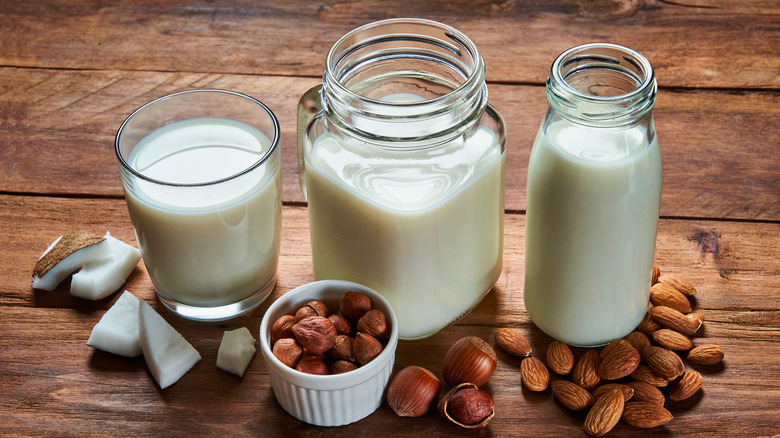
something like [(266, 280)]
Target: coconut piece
[(69, 252), (236, 351), (168, 355), (117, 330), (100, 278)]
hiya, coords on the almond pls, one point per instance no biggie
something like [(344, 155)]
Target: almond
[(586, 370), (560, 358), (655, 275), (707, 354), (639, 341), (672, 340), (648, 325), (643, 373), (645, 392), (661, 294), (534, 374), (673, 319), (605, 413), (571, 395), (696, 319), (618, 359), (628, 393), (645, 415), (664, 362), (679, 283), (685, 386), (513, 342)]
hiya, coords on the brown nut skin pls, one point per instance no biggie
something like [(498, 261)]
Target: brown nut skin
[(343, 326), (316, 334), (342, 349), (288, 351), (282, 328), (312, 364), (341, 367), (513, 342), (473, 404), (413, 391), (374, 323), (366, 348), (353, 305), (471, 360), (312, 308)]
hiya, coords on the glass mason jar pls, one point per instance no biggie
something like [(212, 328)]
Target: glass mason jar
[(594, 189), (402, 164)]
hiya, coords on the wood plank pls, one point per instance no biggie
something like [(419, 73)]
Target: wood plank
[(718, 148), (735, 265), (53, 384), (519, 40)]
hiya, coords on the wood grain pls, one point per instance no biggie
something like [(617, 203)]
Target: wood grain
[(688, 41), (70, 72), (718, 148)]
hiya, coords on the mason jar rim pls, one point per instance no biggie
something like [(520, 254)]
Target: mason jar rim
[(260, 161), (474, 76)]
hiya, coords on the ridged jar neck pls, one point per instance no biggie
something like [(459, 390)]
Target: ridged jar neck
[(404, 80), (601, 85)]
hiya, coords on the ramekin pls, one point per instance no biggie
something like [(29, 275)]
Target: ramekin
[(332, 400)]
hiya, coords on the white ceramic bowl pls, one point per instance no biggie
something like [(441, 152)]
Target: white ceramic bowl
[(328, 400)]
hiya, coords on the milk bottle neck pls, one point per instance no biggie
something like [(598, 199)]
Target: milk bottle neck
[(602, 85), (404, 83)]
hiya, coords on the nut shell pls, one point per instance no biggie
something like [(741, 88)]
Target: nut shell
[(353, 305), (469, 360), (413, 391), (316, 334), (366, 348), (513, 342), (467, 406)]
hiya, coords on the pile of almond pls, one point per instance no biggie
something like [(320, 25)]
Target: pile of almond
[(627, 378), (316, 341)]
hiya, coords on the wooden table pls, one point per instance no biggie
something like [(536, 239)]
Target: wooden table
[(70, 73)]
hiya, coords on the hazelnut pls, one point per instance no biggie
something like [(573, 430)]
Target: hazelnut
[(467, 406), (282, 328), (354, 304), (343, 326), (342, 349), (288, 351), (374, 323), (342, 366), (316, 334), (413, 391), (366, 348), (469, 360), (312, 364), (312, 308)]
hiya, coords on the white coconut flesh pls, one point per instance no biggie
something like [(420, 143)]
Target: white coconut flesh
[(117, 330), (236, 351), (100, 278), (69, 252), (168, 355)]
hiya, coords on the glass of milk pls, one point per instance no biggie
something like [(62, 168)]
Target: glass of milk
[(594, 188), (202, 178), (402, 162)]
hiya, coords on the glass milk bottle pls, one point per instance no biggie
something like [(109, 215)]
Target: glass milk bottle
[(594, 188), (402, 163)]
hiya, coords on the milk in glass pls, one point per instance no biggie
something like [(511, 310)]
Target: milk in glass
[(217, 244)]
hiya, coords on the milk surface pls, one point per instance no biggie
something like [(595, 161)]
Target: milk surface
[(591, 221), (423, 228), (214, 244)]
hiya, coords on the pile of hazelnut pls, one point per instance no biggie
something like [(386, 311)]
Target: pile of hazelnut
[(469, 364), (316, 341)]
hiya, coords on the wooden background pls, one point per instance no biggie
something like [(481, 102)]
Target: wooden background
[(70, 72)]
